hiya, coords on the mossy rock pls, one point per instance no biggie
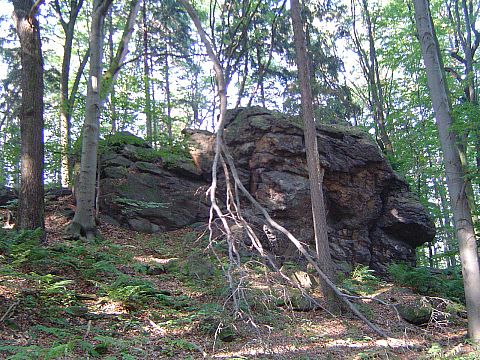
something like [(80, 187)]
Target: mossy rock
[(416, 315), (123, 138), (198, 266), (227, 334), (213, 326), (139, 153), (298, 302), (115, 172), (149, 168)]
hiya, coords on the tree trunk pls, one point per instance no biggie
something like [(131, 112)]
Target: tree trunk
[(146, 76), (110, 75), (453, 167), (168, 94), (65, 102), (371, 72), (31, 202), (315, 172), (468, 39), (83, 223), (113, 108)]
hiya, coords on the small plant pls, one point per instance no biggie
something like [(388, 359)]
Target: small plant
[(361, 281)]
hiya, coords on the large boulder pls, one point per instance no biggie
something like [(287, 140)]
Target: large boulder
[(372, 217)]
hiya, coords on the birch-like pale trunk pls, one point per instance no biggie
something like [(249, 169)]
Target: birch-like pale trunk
[(453, 167), (315, 172), (83, 223)]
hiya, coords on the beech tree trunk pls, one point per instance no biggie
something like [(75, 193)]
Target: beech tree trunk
[(315, 172), (453, 167), (83, 223), (31, 210)]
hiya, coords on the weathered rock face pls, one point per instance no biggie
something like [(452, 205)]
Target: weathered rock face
[(140, 191), (372, 217)]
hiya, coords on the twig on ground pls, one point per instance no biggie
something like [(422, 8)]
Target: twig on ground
[(9, 310)]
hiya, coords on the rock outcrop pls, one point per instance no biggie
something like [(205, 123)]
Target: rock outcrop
[(141, 191), (372, 218)]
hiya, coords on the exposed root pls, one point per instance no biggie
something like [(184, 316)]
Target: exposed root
[(76, 231)]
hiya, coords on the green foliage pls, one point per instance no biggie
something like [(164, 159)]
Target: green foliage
[(22, 246), (447, 283), (53, 290), (136, 293), (119, 139), (131, 291), (171, 347), (11, 204), (361, 281)]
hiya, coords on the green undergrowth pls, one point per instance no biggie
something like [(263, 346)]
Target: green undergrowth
[(444, 283), (361, 281), (154, 296), (61, 290)]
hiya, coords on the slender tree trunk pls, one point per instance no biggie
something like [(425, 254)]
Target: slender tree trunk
[(113, 109), (315, 172), (155, 130), (65, 107), (168, 94), (111, 74), (453, 167), (372, 73), (146, 75), (430, 254), (468, 39), (83, 224), (241, 91), (31, 203)]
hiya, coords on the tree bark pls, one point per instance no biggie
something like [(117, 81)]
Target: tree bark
[(83, 224), (371, 73), (315, 171), (453, 167), (468, 39), (113, 105), (110, 75), (31, 202), (65, 103), (146, 76), (168, 94)]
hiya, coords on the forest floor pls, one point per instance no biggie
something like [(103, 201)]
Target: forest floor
[(165, 296)]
